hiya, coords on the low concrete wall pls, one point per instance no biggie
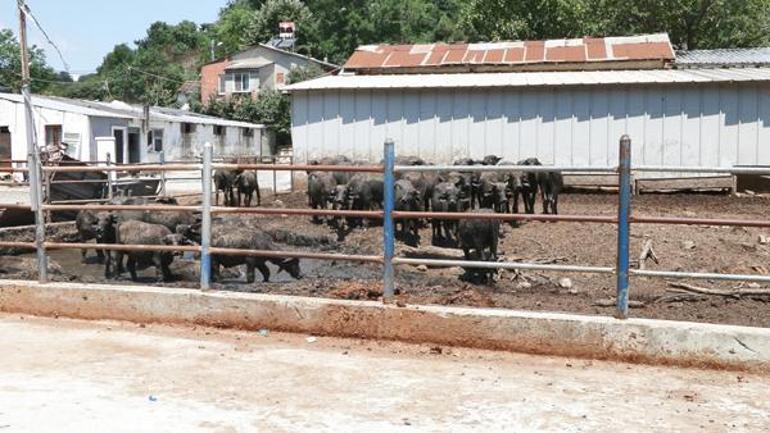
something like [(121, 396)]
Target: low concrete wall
[(634, 340)]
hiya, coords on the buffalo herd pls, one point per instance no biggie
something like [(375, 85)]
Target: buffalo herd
[(444, 191), (173, 228)]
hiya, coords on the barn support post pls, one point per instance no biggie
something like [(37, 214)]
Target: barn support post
[(291, 161), (208, 153), (275, 177), (624, 210), (388, 229), (109, 177), (162, 160)]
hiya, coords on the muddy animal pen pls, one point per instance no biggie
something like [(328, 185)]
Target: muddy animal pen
[(389, 215)]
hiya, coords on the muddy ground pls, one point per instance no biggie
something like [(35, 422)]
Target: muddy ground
[(679, 248)]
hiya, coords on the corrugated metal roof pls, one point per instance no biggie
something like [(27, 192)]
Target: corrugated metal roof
[(392, 58), (121, 110), (63, 105), (523, 79), (723, 57)]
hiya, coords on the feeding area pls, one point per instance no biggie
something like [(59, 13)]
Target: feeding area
[(483, 233)]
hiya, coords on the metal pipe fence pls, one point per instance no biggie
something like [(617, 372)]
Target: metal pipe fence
[(623, 220)]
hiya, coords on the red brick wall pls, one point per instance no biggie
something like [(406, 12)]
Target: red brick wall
[(210, 79)]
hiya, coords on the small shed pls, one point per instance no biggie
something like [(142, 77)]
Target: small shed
[(566, 102), (140, 133)]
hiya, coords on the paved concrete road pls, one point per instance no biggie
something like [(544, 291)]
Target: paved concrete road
[(73, 376)]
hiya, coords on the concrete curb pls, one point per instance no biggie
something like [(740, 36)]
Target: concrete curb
[(634, 340)]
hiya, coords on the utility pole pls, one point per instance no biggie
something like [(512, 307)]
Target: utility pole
[(33, 157)]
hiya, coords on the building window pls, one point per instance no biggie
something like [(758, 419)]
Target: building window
[(53, 135), (248, 132), (242, 82), (222, 84), (219, 130), (155, 139), (188, 128), (280, 78)]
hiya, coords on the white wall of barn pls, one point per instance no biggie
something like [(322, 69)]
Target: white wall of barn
[(180, 146), (75, 126), (694, 125)]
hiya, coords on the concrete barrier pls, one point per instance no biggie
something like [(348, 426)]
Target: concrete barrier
[(633, 340)]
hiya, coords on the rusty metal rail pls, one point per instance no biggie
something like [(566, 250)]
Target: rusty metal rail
[(123, 207), (505, 217), (121, 247), (303, 167), (154, 167), (294, 254), (18, 245)]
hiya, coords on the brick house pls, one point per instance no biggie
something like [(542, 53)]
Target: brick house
[(260, 67)]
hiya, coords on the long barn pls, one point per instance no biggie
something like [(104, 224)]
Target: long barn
[(567, 103)]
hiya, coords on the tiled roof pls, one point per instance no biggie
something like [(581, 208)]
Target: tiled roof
[(723, 57), (426, 57)]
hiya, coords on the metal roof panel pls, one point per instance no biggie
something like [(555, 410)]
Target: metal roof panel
[(524, 79)]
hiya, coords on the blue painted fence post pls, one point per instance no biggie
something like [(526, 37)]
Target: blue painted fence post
[(624, 211), (389, 237), (208, 152)]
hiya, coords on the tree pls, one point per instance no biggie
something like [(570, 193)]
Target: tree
[(42, 75), (691, 24), (272, 12), (488, 20), (271, 108), (304, 73), (229, 29), (64, 77)]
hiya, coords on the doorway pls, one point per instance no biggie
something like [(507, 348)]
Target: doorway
[(5, 146), (120, 144), (134, 146)]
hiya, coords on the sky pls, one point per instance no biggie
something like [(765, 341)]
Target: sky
[(86, 30)]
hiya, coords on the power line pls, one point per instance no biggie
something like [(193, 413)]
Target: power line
[(28, 12), (133, 68)]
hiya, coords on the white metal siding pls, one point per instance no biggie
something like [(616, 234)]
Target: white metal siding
[(690, 125)]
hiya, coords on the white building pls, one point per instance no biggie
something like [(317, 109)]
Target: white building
[(178, 134), (566, 102)]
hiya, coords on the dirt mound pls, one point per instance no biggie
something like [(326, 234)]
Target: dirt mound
[(468, 296), (358, 291)]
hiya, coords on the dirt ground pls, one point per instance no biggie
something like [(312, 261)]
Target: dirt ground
[(679, 248), (76, 376)]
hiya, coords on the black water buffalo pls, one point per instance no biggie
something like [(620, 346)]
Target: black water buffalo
[(225, 180), (491, 160), (528, 184), (445, 199), (339, 176), (407, 198), (226, 236), (321, 189), (248, 184), (551, 184), (364, 192), (479, 239), (86, 223), (134, 232), (492, 192), (512, 180), (470, 182), (424, 183)]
